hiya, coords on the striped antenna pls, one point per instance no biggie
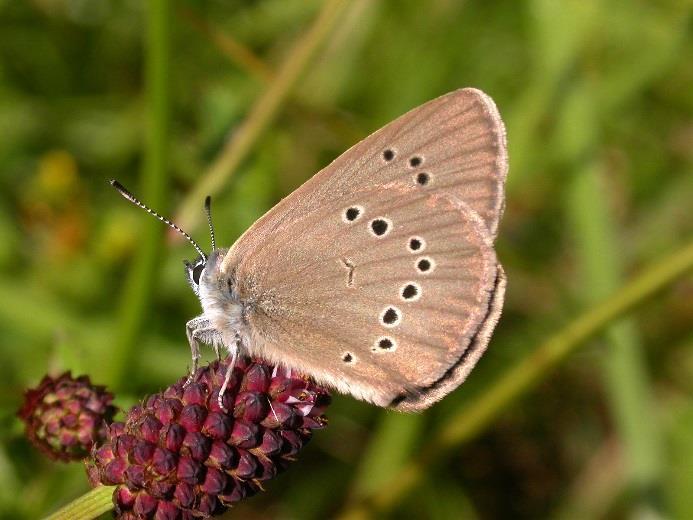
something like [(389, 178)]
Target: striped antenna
[(129, 196)]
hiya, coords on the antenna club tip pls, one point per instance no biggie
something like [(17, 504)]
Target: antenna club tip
[(116, 185)]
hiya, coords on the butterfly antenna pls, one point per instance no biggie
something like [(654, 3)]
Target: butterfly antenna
[(130, 197), (208, 212)]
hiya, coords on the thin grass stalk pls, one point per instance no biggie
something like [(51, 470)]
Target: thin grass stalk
[(244, 58), (235, 51), (261, 114)]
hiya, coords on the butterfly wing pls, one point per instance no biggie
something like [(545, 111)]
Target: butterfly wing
[(328, 295), (389, 306)]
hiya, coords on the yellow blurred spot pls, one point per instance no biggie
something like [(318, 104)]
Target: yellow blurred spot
[(57, 172), (118, 238), (54, 207)]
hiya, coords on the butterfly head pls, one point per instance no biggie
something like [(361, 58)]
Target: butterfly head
[(194, 272), (204, 269), (195, 269)]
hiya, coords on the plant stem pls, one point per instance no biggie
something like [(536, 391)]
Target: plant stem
[(136, 296), (90, 505), (261, 115), (473, 418)]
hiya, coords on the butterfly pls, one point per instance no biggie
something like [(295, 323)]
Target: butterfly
[(378, 276)]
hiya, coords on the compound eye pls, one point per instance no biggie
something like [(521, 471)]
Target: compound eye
[(197, 272)]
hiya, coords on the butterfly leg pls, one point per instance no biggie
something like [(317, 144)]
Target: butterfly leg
[(190, 329), (199, 331), (233, 350)]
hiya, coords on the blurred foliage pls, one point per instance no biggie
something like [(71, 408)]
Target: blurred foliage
[(598, 101)]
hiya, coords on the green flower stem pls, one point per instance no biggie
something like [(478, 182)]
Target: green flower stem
[(261, 114), (473, 418), (136, 296), (90, 505)]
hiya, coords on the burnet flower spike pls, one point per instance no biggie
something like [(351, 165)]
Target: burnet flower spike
[(180, 455), (66, 416)]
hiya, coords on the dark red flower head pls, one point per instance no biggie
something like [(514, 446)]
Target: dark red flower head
[(179, 455), (66, 416)]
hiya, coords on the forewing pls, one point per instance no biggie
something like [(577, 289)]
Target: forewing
[(454, 144), (383, 305)]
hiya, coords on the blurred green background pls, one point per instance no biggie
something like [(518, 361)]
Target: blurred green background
[(247, 99)]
